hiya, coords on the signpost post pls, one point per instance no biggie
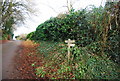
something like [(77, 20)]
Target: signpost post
[(69, 43)]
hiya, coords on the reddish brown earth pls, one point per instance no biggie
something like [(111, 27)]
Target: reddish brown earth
[(17, 60), (3, 41), (26, 56)]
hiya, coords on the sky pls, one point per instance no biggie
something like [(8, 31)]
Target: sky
[(44, 9)]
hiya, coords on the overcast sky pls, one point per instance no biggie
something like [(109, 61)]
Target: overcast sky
[(51, 8)]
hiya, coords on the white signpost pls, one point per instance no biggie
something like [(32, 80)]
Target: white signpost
[(69, 45)]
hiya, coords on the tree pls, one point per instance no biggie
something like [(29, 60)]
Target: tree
[(69, 5), (113, 38), (13, 13)]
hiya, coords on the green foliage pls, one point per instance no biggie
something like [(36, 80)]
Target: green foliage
[(47, 47), (54, 49), (12, 13), (4, 37), (73, 26), (30, 35), (91, 66), (84, 63), (86, 27), (0, 38), (96, 31), (40, 71), (21, 37), (33, 64)]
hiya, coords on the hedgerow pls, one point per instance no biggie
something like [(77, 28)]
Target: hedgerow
[(96, 32)]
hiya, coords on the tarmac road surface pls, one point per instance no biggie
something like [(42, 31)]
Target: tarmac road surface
[(8, 54)]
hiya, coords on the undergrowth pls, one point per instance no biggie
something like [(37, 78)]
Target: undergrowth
[(83, 63)]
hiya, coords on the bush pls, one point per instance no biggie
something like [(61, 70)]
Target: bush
[(21, 37), (91, 66), (94, 28), (30, 35), (73, 26)]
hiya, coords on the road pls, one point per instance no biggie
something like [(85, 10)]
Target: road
[(8, 54)]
